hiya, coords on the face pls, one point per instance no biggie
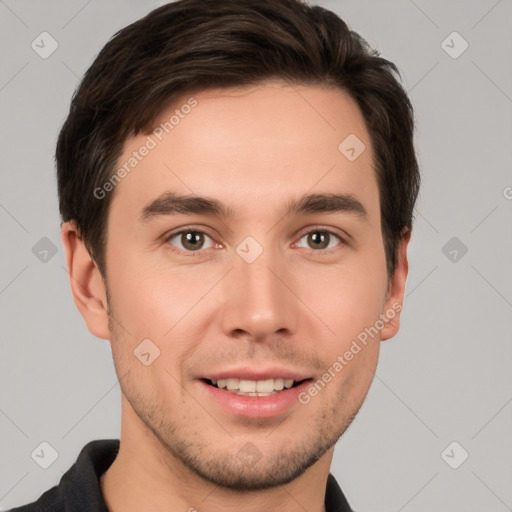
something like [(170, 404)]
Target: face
[(257, 287)]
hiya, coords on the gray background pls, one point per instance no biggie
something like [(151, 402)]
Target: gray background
[(446, 377)]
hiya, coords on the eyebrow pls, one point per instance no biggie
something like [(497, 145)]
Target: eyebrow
[(170, 203)]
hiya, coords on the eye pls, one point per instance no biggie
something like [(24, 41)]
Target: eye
[(190, 240), (320, 240)]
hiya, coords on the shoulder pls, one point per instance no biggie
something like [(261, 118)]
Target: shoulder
[(79, 488), (50, 501)]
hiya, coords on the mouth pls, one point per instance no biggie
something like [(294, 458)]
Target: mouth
[(254, 388), (254, 392), (263, 398)]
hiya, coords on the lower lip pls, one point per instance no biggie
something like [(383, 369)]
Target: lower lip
[(255, 406)]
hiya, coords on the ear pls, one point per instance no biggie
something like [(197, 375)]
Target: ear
[(396, 288), (86, 282)]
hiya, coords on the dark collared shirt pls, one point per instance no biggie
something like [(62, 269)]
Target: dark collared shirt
[(79, 488)]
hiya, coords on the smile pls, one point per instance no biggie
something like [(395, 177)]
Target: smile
[(245, 387), (262, 398)]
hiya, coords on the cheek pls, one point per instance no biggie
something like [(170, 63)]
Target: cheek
[(166, 304), (348, 297), (146, 298)]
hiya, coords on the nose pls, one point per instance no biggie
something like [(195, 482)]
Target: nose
[(258, 301)]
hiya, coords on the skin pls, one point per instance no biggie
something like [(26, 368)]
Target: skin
[(296, 305)]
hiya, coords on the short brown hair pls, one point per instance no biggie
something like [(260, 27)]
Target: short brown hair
[(193, 45)]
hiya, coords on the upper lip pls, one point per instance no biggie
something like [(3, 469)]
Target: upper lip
[(247, 373)]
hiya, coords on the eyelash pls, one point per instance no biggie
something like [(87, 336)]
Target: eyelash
[(201, 251)]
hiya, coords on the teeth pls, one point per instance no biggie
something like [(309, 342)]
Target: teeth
[(264, 386), (279, 384), (254, 394), (232, 383), (247, 386), (253, 387)]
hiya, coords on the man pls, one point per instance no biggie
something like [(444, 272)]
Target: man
[(236, 183)]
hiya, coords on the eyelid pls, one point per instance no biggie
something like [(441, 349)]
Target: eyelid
[(322, 229), (188, 229)]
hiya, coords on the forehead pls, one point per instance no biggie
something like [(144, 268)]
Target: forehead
[(252, 146)]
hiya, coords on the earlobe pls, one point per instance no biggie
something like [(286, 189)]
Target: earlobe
[(396, 289), (86, 282)]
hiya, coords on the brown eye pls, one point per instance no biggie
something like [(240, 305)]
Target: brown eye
[(320, 240), (192, 240), (189, 240)]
